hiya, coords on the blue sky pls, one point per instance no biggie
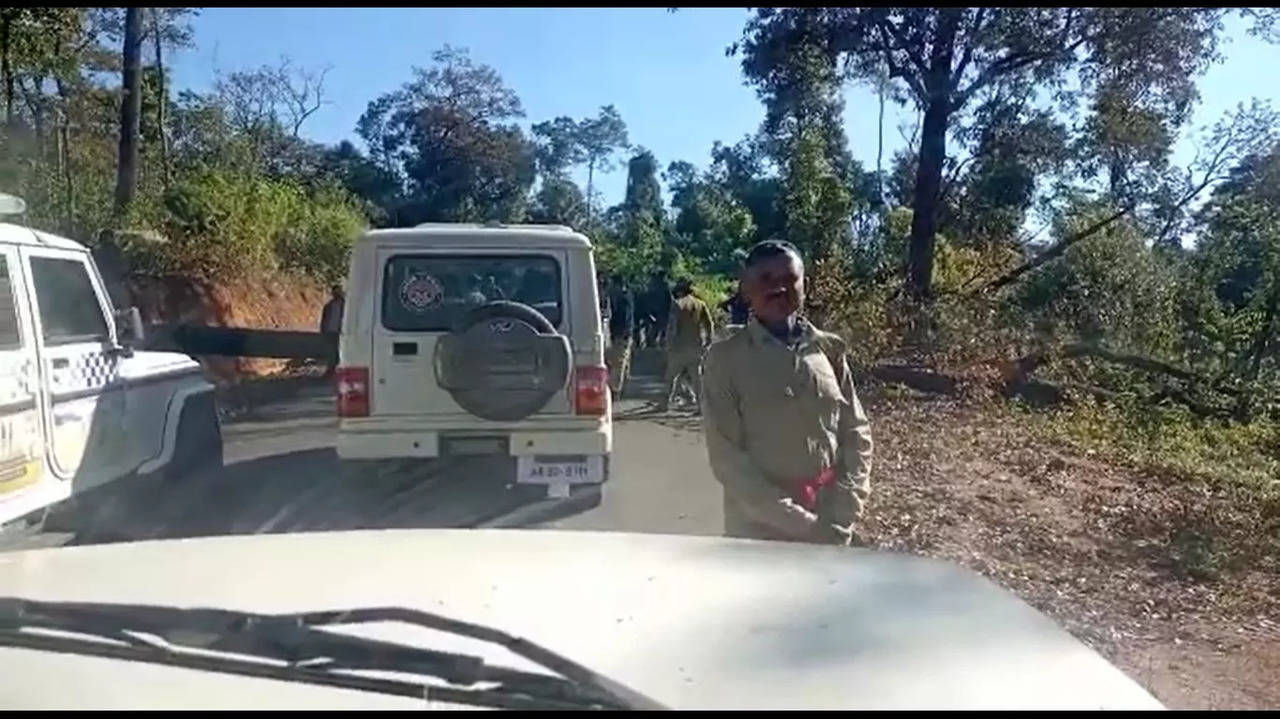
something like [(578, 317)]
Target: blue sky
[(666, 72)]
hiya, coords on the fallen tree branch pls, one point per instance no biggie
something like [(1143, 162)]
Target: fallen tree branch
[(1197, 407), (1053, 252), (918, 378), (1215, 169), (1147, 364)]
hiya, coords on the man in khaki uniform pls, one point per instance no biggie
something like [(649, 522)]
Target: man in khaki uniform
[(785, 432), (331, 323), (621, 328), (689, 331)]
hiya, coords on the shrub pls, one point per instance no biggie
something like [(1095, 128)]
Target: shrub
[(229, 224), (1110, 286), (320, 243)]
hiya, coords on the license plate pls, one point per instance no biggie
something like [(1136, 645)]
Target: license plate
[(575, 469)]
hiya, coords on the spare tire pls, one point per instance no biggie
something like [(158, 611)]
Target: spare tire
[(503, 361)]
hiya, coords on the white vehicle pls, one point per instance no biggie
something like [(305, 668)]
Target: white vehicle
[(79, 407), (527, 619), (477, 340)]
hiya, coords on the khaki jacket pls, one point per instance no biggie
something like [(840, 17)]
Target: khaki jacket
[(689, 326), (772, 416), (331, 315)]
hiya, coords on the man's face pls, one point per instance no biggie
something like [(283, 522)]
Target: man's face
[(775, 287)]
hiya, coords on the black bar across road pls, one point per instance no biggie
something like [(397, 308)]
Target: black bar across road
[(241, 342)]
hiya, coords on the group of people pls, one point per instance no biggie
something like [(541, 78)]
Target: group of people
[(786, 434), (658, 316)]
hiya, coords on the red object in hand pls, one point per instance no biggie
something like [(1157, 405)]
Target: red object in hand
[(807, 489)]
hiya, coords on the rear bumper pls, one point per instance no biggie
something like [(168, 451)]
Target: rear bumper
[(355, 441)]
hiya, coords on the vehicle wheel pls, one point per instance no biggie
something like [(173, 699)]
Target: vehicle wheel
[(199, 439), (503, 362)]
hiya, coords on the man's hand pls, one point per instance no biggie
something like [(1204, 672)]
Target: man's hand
[(827, 533), (800, 522)]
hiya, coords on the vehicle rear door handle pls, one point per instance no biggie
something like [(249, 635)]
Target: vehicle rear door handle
[(60, 363)]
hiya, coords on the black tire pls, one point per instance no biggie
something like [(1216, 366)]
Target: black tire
[(460, 361), (198, 445)]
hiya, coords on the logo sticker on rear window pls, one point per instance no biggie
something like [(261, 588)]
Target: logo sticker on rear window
[(420, 292)]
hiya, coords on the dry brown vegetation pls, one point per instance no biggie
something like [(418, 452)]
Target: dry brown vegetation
[(1172, 576)]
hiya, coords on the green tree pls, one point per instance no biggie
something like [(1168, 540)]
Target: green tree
[(559, 201), (1012, 146), (643, 196), (448, 134), (803, 133), (1234, 299), (559, 146), (710, 224), (1141, 92), (377, 188), (600, 138), (740, 169), (946, 58)]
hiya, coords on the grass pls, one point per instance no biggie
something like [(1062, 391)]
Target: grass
[(1171, 441), (1222, 478)]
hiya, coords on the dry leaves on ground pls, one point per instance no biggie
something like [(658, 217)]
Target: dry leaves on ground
[(1170, 579)]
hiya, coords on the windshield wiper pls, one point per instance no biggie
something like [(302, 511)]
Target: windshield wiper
[(305, 652)]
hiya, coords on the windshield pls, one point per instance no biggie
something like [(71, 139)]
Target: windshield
[(433, 292), (752, 298)]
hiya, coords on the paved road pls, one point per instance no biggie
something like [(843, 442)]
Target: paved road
[(281, 475)]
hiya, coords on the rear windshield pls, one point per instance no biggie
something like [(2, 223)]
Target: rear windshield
[(429, 293)]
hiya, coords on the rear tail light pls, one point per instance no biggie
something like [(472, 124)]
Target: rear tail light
[(353, 391), (592, 390)]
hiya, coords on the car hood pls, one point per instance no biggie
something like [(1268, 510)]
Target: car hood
[(692, 622)]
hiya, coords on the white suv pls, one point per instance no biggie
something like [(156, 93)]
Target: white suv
[(463, 340), (80, 406)]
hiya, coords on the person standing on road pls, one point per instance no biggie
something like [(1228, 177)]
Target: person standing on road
[(689, 330), (737, 307), (331, 323), (785, 432), (657, 309), (621, 328)]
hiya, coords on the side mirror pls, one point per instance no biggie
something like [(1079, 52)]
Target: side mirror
[(129, 330)]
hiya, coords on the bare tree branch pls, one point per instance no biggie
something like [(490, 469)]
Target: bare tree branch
[(913, 80), (303, 93), (971, 42), (1055, 251)]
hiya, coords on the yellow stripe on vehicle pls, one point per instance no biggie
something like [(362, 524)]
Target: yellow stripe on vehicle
[(17, 476)]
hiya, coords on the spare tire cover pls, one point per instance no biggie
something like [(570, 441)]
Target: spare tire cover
[(503, 362)]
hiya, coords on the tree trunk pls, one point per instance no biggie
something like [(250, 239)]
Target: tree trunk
[(6, 62), (924, 219), (933, 153), (130, 112), (35, 105), (880, 140), (591, 172), (64, 144), (161, 100)]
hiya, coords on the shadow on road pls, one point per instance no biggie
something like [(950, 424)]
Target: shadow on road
[(311, 490), (285, 477)]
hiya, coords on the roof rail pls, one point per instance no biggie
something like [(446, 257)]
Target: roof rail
[(493, 224)]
